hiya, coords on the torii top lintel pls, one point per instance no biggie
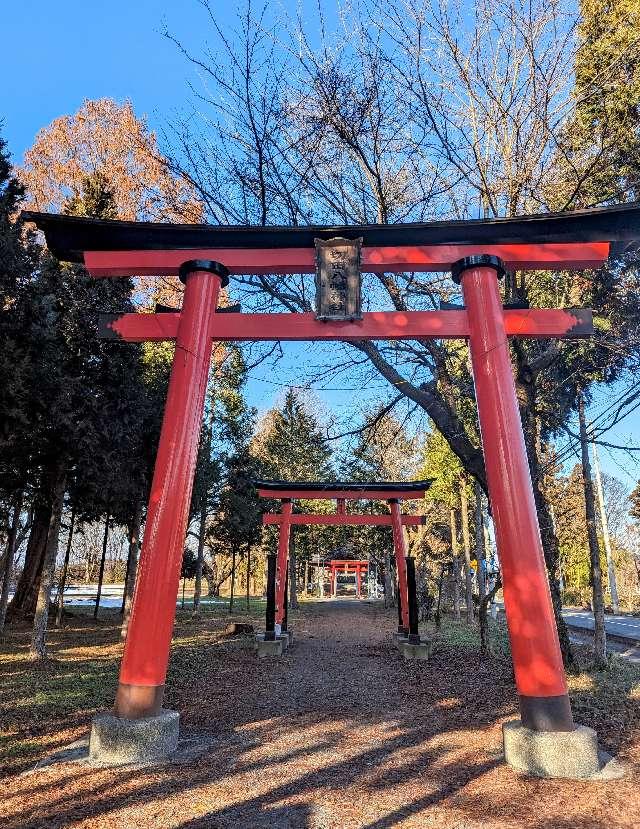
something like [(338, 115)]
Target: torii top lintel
[(385, 491), (571, 240)]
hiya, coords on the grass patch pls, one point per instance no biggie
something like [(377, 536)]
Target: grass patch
[(606, 700), (459, 634)]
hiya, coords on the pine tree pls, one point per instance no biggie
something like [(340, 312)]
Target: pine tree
[(607, 92), (237, 524), (81, 398), (17, 256), (292, 447)]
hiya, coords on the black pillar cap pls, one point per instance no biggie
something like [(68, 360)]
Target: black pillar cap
[(485, 260), (204, 265)]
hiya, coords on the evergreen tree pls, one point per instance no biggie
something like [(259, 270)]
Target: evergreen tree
[(17, 256), (80, 398), (291, 446), (237, 524), (607, 93)]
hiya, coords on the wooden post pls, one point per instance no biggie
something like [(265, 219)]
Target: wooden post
[(270, 621), (412, 596)]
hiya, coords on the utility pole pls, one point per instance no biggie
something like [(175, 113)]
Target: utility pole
[(599, 633), (611, 570)]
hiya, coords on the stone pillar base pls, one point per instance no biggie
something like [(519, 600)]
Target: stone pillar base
[(270, 647), (398, 636), (118, 742), (569, 754), (415, 650)]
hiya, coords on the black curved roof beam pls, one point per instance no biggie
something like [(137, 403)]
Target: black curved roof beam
[(383, 490), (71, 237)]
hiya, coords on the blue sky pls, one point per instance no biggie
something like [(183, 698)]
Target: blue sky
[(56, 54)]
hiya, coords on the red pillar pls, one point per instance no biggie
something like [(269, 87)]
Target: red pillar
[(358, 581), (537, 660), (146, 654), (283, 556), (400, 549)]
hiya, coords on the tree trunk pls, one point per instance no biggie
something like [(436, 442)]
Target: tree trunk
[(466, 540), (248, 575), (132, 566), (481, 556), (233, 578), (611, 570), (9, 558), (293, 573), (105, 540), (488, 597), (197, 592), (26, 596), (65, 566), (212, 590), (455, 552), (388, 589), (438, 616), (38, 648), (599, 633)]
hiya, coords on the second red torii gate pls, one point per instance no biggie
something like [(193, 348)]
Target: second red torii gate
[(340, 492)]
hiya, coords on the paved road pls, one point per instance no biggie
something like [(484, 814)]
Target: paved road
[(626, 627)]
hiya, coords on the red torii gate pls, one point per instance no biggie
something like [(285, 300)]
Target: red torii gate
[(477, 252), (340, 492), (347, 566)]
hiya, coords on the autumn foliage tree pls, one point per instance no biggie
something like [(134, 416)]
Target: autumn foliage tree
[(107, 137)]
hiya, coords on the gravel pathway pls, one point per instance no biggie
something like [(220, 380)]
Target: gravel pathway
[(340, 733)]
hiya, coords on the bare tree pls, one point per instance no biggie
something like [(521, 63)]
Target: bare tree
[(408, 111)]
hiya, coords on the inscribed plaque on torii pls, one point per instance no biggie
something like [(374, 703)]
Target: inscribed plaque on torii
[(338, 279)]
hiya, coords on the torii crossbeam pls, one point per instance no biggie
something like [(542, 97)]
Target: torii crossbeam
[(340, 492), (477, 252)]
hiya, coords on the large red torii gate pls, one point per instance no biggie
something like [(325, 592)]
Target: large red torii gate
[(477, 252), (340, 492)]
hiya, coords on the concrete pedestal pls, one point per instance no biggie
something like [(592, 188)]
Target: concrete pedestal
[(119, 742), (569, 754), (398, 637), (287, 638), (271, 647), (415, 650)]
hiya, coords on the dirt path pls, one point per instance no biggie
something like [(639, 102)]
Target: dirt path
[(340, 733)]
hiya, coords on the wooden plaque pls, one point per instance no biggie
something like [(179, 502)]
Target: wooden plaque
[(338, 279)]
